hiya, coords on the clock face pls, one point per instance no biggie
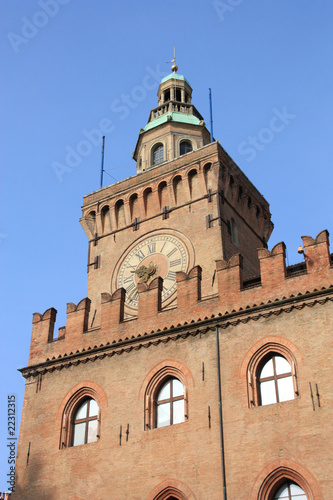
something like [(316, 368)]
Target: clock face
[(159, 255)]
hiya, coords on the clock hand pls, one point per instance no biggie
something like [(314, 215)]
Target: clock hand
[(130, 297)]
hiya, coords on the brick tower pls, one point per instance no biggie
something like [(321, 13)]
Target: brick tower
[(187, 312)]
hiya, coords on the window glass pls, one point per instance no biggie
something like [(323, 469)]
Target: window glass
[(79, 434), (267, 370), (169, 403), (285, 389), (82, 411), (268, 393), (177, 388), (92, 431), (282, 365), (178, 411), (163, 415), (85, 423), (185, 147), (158, 154), (290, 491), (93, 408), (164, 392), (276, 383), (296, 490)]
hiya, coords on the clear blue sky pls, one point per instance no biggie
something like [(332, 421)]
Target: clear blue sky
[(71, 66)]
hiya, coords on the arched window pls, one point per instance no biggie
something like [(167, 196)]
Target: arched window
[(81, 418), (185, 147), (85, 423), (91, 221), (275, 379), (106, 222), (171, 493), (157, 154), (120, 214), (169, 403), (272, 375), (193, 181), (166, 400), (178, 190), (289, 491), (208, 175)]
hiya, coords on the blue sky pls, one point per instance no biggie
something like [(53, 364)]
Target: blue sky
[(74, 68)]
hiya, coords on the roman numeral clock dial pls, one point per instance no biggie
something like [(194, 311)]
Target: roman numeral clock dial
[(159, 255)]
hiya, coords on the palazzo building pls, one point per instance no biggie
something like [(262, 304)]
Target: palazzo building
[(199, 366)]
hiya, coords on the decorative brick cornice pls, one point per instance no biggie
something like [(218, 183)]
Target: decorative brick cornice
[(183, 331)]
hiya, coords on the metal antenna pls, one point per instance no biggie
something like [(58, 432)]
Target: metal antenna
[(211, 116), (102, 164)]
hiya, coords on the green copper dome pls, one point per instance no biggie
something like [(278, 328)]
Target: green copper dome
[(175, 117), (174, 76)]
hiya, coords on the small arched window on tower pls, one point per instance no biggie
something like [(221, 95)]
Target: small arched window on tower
[(157, 154), (185, 147), (106, 222)]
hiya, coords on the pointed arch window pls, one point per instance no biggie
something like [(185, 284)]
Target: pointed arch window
[(85, 423), (166, 398), (158, 154), (275, 379), (272, 376), (81, 419), (290, 491), (170, 403)]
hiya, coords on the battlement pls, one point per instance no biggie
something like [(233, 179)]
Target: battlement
[(275, 283)]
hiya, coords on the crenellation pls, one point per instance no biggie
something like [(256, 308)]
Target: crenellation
[(274, 280), (188, 288), (272, 265), (112, 309), (150, 298), (42, 332), (77, 318), (317, 255)]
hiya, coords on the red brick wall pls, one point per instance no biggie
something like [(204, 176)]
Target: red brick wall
[(294, 311)]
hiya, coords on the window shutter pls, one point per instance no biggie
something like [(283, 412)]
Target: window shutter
[(185, 404), (293, 372), (64, 440), (98, 424), (147, 413), (251, 387)]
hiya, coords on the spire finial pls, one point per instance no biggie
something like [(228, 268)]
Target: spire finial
[(174, 67)]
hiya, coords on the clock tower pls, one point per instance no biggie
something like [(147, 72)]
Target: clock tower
[(198, 361), (189, 204)]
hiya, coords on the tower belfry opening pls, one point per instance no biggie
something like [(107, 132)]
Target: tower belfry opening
[(174, 120)]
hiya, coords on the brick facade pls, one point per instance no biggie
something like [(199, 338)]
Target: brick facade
[(235, 290)]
